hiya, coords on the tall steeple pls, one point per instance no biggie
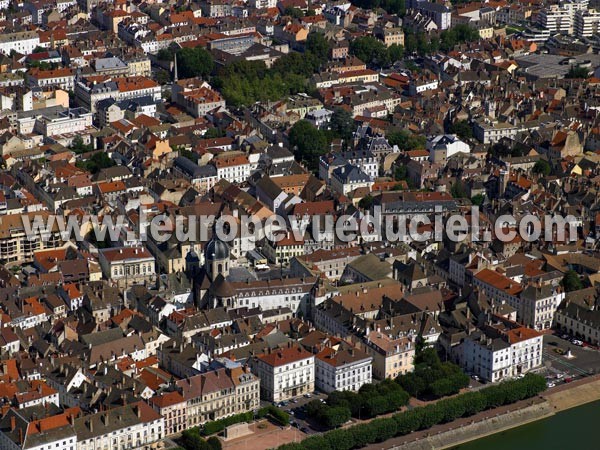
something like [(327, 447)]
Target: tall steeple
[(175, 78)]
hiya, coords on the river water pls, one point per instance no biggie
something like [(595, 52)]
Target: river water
[(575, 428)]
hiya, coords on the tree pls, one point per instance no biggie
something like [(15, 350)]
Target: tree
[(458, 190), (98, 160), (370, 50), (366, 202), (478, 199), (577, 72), (571, 281), (406, 140), (318, 45), (395, 53), (295, 13), (334, 417), (191, 440), (165, 54), (214, 443), (79, 147), (194, 62), (542, 167), (342, 123), (462, 129), (309, 143)]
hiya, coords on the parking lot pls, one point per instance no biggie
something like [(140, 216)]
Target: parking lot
[(298, 419), (564, 360)]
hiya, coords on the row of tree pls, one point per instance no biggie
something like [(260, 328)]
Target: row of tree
[(370, 401), (423, 418)]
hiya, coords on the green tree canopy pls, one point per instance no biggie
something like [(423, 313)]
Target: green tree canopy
[(97, 161), (370, 50), (395, 53), (309, 143), (577, 72), (366, 202), (462, 129), (318, 45), (542, 167), (342, 123), (295, 13), (406, 140), (571, 281), (194, 62)]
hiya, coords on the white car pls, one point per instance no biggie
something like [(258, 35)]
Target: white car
[(551, 385)]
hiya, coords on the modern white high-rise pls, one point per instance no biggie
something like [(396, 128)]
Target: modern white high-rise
[(587, 23), (561, 18)]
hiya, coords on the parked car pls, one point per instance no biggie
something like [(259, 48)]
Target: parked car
[(577, 342), (307, 395), (568, 379)]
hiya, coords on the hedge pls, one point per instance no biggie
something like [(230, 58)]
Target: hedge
[(422, 418), (219, 425), (277, 415)]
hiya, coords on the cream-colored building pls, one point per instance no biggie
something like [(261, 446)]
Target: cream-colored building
[(392, 356), (172, 406), (127, 266), (219, 393)]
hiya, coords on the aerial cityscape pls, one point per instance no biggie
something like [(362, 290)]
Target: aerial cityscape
[(299, 225)]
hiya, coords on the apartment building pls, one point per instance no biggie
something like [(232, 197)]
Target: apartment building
[(62, 78), (392, 355), (16, 245), (73, 120), (235, 169), (348, 178), (20, 432), (22, 42), (492, 132), (579, 315), (341, 367), (92, 89), (586, 23), (500, 349), (219, 393), (284, 373), (498, 287), (173, 407), (127, 266), (131, 426), (560, 18), (196, 96), (538, 305), (282, 250)]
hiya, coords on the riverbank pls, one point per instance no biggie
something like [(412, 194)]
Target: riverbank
[(501, 419)]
